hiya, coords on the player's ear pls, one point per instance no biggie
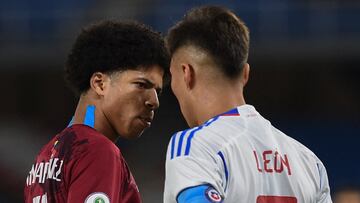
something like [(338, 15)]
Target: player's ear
[(99, 82), (245, 74), (189, 75)]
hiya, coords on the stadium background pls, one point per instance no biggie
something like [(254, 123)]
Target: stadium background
[(304, 78)]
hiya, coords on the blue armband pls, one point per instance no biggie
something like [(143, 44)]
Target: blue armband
[(199, 194)]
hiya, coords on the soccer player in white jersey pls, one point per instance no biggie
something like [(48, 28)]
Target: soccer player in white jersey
[(230, 153)]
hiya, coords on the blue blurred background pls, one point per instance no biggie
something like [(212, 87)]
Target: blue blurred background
[(304, 58)]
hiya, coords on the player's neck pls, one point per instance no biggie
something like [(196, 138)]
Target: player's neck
[(217, 101), (101, 123)]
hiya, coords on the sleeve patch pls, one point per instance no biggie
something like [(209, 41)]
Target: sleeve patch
[(97, 197), (213, 195)]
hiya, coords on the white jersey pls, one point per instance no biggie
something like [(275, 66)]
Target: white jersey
[(246, 159)]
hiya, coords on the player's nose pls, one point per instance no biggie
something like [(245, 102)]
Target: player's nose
[(153, 101)]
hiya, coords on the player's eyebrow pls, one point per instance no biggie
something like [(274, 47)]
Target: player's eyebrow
[(151, 84)]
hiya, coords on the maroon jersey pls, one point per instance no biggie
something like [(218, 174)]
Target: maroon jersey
[(80, 165)]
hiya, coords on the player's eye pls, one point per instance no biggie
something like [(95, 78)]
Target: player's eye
[(141, 85), (144, 85)]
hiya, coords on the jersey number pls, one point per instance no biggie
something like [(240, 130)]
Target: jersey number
[(275, 199), (40, 199)]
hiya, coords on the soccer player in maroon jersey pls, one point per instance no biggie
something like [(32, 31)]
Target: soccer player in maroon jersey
[(118, 69)]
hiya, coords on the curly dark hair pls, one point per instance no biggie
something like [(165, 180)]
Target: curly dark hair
[(109, 46), (217, 31)]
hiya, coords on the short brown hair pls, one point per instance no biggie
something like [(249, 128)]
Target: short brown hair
[(216, 30)]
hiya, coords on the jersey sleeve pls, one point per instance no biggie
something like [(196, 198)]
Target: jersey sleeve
[(184, 170), (324, 192), (95, 175)]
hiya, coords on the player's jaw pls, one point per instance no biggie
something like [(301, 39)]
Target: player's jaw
[(187, 112)]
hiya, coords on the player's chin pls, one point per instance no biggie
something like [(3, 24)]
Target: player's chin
[(132, 134), (135, 131), (136, 135)]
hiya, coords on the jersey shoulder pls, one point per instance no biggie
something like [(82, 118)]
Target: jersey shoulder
[(301, 148), (84, 132), (85, 139), (77, 141), (296, 146)]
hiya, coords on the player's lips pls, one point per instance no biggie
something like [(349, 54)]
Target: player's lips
[(146, 120)]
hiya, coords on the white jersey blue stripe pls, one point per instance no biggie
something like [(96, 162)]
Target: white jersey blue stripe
[(244, 158), (181, 141)]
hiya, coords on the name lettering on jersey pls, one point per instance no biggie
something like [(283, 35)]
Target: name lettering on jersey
[(272, 161), (45, 170)]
